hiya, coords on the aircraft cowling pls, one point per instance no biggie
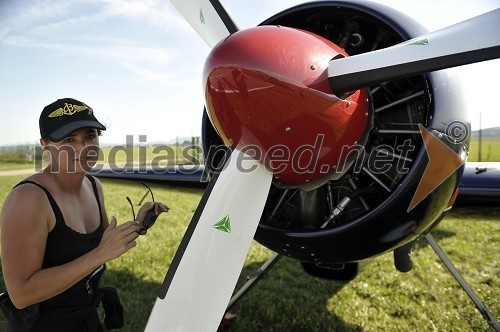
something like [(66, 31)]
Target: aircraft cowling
[(268, 94), (377, 219)]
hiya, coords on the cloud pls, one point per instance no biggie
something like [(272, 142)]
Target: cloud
[(102, 47), (38, 17), (126, 32), (149, 74), (152, 12)]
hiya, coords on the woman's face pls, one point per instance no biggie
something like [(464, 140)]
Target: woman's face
[(76, 153)]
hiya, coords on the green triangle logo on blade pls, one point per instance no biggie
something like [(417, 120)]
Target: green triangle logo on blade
[(420, 42), (224, 225), (202, 18)]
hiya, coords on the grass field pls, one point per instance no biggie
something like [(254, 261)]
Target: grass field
[(490, 149), (116, 156), (380, 299), (12, 165), (161, 155)]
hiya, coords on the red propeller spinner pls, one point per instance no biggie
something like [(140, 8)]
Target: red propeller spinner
[(268, 94)]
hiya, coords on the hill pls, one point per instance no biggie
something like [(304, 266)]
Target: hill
[(487, 132)]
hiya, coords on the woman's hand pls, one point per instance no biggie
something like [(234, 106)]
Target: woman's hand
[(117, 240), (158, 207), (148, 213)]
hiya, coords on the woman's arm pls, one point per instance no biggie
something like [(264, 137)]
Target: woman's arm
[(24, 222)]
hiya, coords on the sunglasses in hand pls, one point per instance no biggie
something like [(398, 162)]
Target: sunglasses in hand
[(150, 217)]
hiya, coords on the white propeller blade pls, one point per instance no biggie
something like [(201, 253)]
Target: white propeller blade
[(473, 40), (209, 260), (208, 18)]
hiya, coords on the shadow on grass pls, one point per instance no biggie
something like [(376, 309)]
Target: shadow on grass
[(475, 213), (137, 297), (438, 234), (288, 299), (462, 214), (272, 305)]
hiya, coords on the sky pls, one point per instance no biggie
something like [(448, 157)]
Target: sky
[(138, 64)]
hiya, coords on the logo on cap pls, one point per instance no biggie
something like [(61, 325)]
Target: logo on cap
[(69, 109)]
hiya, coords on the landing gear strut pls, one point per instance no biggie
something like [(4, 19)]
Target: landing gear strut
[(473, 296)]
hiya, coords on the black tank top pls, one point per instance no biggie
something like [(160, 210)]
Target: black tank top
[(64, 245)]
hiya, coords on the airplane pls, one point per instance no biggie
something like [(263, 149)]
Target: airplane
[(333, 133), (479, 184)]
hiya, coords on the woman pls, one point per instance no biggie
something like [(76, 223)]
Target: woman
[(55, 233)]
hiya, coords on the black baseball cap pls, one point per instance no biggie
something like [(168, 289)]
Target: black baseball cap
[(64, 116)]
